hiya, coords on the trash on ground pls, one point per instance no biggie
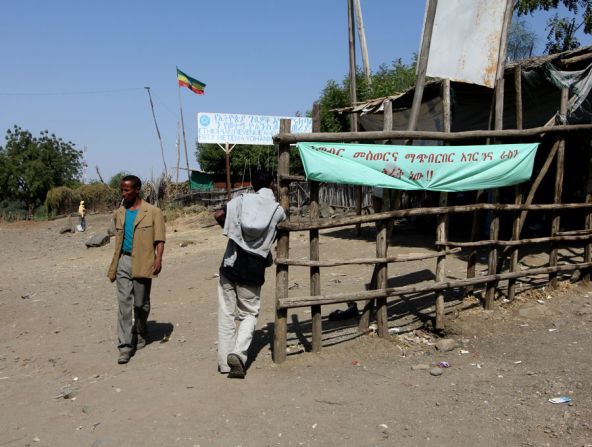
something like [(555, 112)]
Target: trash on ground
[(463, 351), (394, 330), (444, 364), (560, 400)]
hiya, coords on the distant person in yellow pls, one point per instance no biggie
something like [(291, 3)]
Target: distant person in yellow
[(82, 215), (139, 244)]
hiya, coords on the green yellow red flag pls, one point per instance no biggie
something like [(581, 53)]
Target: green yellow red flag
[(192, 84)]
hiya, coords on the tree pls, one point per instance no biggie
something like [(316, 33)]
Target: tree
[(30, 166), (115, 180), (562, 30), (387, 81), (244, 159), (521, 40)]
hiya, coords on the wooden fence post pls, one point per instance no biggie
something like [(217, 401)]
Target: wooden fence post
[(382, 277), (315, 271), (280, 333), (516, 226), (588, 221), (559, 163), (442, 229)]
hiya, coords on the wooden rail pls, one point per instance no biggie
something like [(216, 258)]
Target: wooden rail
[(304, 301)]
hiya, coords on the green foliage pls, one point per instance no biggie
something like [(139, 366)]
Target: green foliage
[(31, 166), (97, 197), (243, 160), (521, 41), (11, 210), (562, 30), (115, 181), (387, 81)]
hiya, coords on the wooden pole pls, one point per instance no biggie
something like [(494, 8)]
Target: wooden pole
[(431, 211), (363, 45), (352, 62), (184, 138), (227, 163), (315, 271), (498, 125), (560, 162), (157, 131), (588, 220), (368, 306), (382, 279), (178, 144), (350, 137), (423, 63), (353, 93), (303, 301), (442, 229), (280, 333), (514, 257)]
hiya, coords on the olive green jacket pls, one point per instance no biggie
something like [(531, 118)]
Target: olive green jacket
[(148, 229)]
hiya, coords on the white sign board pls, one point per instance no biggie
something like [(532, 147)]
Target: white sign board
[(466, 40), (244, 129)]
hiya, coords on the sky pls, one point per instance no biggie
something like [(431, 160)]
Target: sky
[(78, 69)]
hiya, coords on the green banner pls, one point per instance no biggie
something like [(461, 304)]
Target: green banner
[(432, 168)]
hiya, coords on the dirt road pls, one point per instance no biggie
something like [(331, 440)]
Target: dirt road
[(60, 384)]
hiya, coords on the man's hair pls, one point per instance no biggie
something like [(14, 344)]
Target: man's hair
[(261, 179), (134, 179)]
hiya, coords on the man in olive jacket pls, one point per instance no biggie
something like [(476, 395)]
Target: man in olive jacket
[(139, 244)]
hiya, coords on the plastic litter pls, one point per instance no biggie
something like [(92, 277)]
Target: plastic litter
[(560, 400), (444, 364)]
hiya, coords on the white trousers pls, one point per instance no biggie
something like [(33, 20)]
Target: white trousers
[(236, 303)]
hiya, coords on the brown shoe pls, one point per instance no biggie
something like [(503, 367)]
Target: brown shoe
[(237, 367), (123, 358)]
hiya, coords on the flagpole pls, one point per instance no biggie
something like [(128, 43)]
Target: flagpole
[(184, 138)]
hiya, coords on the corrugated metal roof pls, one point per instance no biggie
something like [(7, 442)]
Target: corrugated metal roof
[(563, 60)]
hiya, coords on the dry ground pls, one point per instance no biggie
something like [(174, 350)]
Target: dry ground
[(58, 314)]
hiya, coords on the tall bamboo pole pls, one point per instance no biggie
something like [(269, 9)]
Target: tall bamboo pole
[(423, 63), (353, 91), (363, 45), (157, 131)]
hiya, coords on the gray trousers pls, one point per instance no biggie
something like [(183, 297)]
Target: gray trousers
[(133, 296), (236, 303)]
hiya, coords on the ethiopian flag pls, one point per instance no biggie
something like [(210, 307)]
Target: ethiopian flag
[(192, 84)]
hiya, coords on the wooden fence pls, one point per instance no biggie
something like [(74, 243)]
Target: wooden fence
[(377, 298)]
